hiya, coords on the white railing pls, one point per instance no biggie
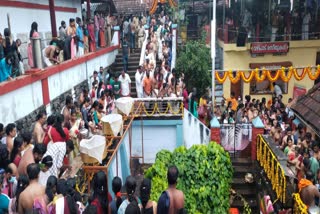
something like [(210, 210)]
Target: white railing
[(144, 45), (174, 46), (194, 131)]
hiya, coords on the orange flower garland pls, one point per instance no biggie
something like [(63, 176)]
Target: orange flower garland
[(276, 76), (154, 6), (244, 78), (316, 73), (221, 80), (235, 79), (283, 74), (263, 75), (297, 76)]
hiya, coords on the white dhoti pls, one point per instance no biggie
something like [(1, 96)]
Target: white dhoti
[(46, 60)]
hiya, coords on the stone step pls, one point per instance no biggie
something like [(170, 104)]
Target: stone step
[(253, 203), (241, 171), (241, 161)]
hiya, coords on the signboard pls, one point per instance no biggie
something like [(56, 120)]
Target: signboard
[(269, 47), (270, 65), (299, 91)]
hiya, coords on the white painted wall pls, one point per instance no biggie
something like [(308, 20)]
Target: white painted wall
[(22, 18), (64, 81), (192, 132), (155, 138), (21, 102)]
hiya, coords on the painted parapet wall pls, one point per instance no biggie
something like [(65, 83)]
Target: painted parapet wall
[(120, 163), (155, 135), (30, 92), (194, 132)]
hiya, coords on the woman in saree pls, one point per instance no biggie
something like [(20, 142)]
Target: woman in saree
[(76, 124), (33, 34), (71, 32), (91, 36)]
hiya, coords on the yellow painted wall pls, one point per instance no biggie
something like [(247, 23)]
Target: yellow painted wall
[(301, 53)]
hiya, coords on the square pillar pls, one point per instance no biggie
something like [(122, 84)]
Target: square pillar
[(215, 130), (257, 128)]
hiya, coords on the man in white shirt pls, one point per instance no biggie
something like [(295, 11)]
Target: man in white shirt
[(139, 78), (276, 89), (125, 84)]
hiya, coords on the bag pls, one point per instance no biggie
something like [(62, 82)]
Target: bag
[(201, 111), (163, 203)]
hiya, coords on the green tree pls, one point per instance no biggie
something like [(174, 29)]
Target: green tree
[(194, 61)]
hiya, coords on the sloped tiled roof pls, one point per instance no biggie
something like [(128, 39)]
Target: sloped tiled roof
[(307, 108)]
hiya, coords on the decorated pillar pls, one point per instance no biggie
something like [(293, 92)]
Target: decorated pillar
[(53, 19), (215, 130), (257, 128)]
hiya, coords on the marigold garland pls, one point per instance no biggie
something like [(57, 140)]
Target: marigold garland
[(316, 73), (273, 78), (296, 74), (221, 80), (284, 77), (281, 73), (235, 79), (258, 77), (244, 78)]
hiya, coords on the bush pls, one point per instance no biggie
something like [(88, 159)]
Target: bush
[(205, 177)]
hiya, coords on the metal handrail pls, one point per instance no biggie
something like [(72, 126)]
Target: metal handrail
[(272, 167), (299, 207)]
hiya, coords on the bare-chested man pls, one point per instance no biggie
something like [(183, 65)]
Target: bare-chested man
[(38, 131), (32, 155), (11, 132), (50, 55), (176, 196), (308, 192), (66, 111), (33, 191)]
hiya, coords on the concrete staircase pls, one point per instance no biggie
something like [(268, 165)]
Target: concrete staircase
[(133, 65), (248, 191)]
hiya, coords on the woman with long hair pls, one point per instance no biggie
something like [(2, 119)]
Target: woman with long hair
[(6, 68), (33, 34), (23, 182), (65, 200), (148, 206), (131, 185), (57, 133), (100, 193), (10, 48), (116, 188), (18, 147)]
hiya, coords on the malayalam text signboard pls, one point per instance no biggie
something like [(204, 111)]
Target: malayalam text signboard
[(269, 47)]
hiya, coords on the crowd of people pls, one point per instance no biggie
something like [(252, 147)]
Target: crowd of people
[(33, 164)]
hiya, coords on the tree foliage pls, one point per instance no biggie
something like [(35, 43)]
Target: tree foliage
[(205, 175), (194, 61)]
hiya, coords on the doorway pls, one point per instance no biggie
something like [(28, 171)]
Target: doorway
[(237, 89)]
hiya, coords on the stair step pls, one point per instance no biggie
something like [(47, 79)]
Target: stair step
[(253, 203), (241, 171), (241, 161), (247, 193)]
